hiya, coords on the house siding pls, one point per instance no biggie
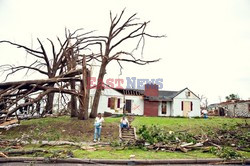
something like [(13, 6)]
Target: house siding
[(103, 102), (238, 110), (142, 106), (137, 104)]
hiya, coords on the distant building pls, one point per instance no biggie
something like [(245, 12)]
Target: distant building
[(232, 108), (148, 102)]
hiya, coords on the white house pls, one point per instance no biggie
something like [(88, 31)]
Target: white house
[(148, 102)]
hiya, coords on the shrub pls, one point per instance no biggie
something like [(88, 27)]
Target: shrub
[(226, 153), (155, 134)]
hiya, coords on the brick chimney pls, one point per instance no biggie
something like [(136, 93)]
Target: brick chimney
[(151, 90)]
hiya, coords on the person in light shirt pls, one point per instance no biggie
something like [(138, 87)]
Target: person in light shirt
[(124, 123), (204, 112), (98, 127)]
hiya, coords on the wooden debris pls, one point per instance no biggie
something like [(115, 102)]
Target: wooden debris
[(9, 124), (23, 152), (218, 146), (3, 155), (88, 148)]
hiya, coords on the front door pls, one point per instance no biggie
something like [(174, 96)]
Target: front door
[(128, 106), (186, 108)]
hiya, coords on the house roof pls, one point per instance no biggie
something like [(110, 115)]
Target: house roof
[(167, 94), (234, 102), (164, 95), (185, 89), (225, 103)]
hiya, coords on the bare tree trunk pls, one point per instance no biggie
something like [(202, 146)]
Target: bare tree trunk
[(73, 100), (71, 65), (80, 115), (85, 88), (49, 103), (102, 73), (86, 106)]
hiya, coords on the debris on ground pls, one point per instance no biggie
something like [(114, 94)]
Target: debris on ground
[(10, 123)]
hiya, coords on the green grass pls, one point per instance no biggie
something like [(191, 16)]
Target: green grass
[(113, 120), (194, 125), (114, 153), (139, 154)]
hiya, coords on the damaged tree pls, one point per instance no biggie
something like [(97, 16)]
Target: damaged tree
[(85, 88), (120, 32), (51, 63), (45, 63), (14, 92)]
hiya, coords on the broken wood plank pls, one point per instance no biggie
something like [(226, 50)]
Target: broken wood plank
[(3, 155), (9, 126), (9, 123)]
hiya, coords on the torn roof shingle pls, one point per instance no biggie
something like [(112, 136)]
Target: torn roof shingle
[(163, 94)]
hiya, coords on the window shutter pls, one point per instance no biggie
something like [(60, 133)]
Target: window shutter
[(191, 106), (182, 104), (109, 102), (118, 103)]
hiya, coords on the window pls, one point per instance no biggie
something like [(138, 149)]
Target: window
[(191, 106), (248, 107), (164, 108), (188, 94), (111, 102)]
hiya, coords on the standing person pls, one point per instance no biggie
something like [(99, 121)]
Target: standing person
[(98, 127), (124, 123), (204, 112)]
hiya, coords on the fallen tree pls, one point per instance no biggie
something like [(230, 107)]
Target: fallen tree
[(12, 93), (58, 63)]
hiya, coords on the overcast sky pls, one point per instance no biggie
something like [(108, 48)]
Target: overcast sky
[(207, 47)]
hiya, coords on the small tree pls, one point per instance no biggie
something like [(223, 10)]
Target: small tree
[(232, 97)]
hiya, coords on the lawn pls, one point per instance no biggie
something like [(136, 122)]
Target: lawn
[(72, 129), (117, 153), (194, 125)]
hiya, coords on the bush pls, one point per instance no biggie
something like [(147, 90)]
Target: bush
[(155, 134), (226, 153)]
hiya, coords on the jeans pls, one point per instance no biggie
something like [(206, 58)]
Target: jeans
[(124, 125), (205, 116), (97, 134)]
